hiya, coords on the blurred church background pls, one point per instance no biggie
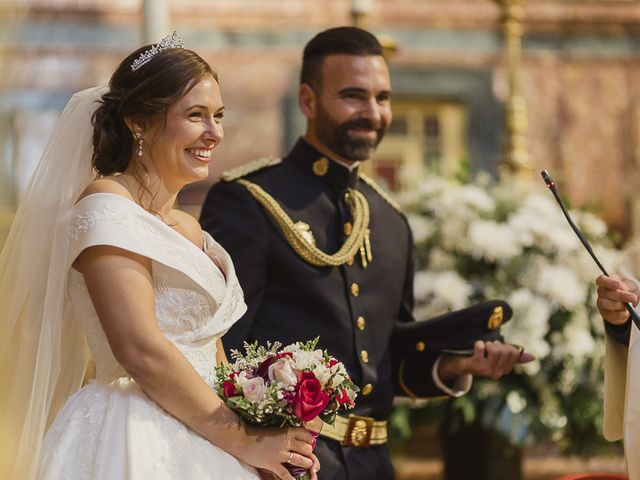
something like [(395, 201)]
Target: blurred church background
[(579, 76), (504, 86)]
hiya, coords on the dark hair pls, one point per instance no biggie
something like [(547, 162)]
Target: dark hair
[(335, 41), (142, 95)]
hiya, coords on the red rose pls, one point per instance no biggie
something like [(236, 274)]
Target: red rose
[(310, 399), (333, 362), (229, 389), (343, 397)]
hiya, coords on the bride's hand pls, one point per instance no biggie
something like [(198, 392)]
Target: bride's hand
[(271, 448)]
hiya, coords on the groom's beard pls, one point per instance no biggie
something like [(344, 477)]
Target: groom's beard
[(337, 138)]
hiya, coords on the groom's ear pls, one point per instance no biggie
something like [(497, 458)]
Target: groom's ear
[(307, 100)]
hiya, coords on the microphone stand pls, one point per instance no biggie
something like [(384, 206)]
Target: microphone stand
[(552, 186)]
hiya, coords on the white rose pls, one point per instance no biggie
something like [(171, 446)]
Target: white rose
[(253, 389), (281, 371)]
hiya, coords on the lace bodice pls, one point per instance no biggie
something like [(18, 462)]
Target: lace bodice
[(197, 295)]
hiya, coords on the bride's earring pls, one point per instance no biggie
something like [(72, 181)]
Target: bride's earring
[(140, 138)]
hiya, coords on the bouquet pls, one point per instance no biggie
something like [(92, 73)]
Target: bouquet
[(285, 387)]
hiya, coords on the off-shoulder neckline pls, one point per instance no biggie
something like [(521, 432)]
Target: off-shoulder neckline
[(146, 212)]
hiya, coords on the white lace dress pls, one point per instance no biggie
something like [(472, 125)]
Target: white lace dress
[(110, 430)]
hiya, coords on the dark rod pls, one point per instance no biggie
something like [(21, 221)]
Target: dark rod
[(552, 186)]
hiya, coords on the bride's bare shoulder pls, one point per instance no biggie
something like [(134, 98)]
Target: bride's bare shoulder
[(188, 226), (105, 185)]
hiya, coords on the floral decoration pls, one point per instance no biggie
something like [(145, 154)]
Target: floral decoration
[(477, 241)]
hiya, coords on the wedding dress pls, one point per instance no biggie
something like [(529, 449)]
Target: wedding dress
[(109, 429)]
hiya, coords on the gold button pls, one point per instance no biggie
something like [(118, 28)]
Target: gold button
[(360, 322), (364, 356), (355, 289), (320, 167), (350, 261), (367, 389), (347, 228), (420, 346), (347, 197)]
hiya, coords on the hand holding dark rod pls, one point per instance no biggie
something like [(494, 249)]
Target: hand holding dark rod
[(552, 186)]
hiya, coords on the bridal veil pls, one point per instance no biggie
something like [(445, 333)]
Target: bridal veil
[(43, 353)]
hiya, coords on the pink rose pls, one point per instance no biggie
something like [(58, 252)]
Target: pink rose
[(281, 371), (310, 400), (229, 389), (253, 389)]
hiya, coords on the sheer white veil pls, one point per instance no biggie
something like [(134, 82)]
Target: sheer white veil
[(43, 352)]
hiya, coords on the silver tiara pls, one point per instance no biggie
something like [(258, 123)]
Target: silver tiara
[(170, 41)]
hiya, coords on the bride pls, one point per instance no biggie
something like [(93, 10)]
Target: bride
[(110, 264)]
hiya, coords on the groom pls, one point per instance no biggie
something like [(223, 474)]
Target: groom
[(289, 224)]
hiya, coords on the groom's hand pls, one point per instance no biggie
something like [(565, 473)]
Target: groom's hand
[(489, 359)]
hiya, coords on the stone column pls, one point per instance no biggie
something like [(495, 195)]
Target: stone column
[(155, 18), (516, 160), (360, 9)]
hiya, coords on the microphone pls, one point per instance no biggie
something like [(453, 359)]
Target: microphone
[(552, 186)]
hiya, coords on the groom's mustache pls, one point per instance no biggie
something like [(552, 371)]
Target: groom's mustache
[(364, 123)]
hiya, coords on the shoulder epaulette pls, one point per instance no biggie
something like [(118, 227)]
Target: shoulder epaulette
[(386, 197), (250, 167)]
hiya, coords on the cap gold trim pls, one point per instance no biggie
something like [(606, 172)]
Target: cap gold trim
[(495, 320)]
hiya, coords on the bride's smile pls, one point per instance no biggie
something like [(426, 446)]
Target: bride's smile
[(181, 144)]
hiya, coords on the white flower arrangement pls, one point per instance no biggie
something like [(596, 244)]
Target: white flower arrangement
[(483, 241)]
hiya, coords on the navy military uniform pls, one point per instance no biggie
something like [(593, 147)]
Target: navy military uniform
[(354, 307)]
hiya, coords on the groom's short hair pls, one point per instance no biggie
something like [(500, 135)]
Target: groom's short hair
[(335, 41)]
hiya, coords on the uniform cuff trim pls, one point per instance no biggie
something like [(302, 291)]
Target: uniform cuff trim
[(460, 386)]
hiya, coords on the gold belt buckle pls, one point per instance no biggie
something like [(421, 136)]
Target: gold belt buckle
[(358, 431)]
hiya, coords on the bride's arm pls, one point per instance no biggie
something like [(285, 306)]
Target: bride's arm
[(121, 289), (221, 356)]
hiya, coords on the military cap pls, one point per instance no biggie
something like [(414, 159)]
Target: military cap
[(454, 332)]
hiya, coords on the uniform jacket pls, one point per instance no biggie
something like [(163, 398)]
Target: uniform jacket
[(352, 309)]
